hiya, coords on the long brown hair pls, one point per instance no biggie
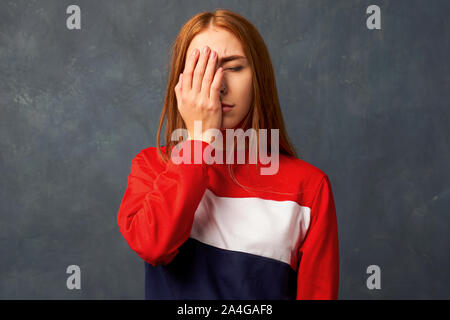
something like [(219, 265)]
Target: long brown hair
[(265, 110)]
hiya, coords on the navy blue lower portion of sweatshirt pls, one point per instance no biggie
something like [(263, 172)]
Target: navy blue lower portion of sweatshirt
[(200, 271)]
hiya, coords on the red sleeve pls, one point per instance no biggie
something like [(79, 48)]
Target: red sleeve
[(318, 273), (157, 210)]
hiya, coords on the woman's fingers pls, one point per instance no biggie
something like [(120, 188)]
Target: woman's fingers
[(200, 70), (197, 89), (189, 70), (214, 94), (209, 74), (200, 76)]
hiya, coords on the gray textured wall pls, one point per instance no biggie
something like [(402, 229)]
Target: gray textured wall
[(370, 108)]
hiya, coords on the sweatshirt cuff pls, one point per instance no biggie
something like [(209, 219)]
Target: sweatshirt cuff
[(191, 152)]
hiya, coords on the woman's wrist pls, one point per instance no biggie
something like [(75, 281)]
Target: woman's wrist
[(203, 137)]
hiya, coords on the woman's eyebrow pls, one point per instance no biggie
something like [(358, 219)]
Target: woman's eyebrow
[(230, 58)]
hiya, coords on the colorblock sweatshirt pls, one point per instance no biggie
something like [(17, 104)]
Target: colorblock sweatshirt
[(201, 235)]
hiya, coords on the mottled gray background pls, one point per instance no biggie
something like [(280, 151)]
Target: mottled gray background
[(369, 108)]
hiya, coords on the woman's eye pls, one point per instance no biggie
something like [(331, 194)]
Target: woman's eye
[(235, 68)]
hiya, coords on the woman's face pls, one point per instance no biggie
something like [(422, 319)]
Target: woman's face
[(237, 77)]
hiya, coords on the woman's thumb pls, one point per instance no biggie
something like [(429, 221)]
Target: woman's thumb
[(178, 86)]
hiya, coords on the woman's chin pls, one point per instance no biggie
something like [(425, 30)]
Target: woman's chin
[(226, 125), (229, 125)]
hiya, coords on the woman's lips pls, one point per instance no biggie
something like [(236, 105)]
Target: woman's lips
[(226, 107)]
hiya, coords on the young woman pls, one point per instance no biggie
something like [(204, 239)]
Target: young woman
[(224, 230)]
